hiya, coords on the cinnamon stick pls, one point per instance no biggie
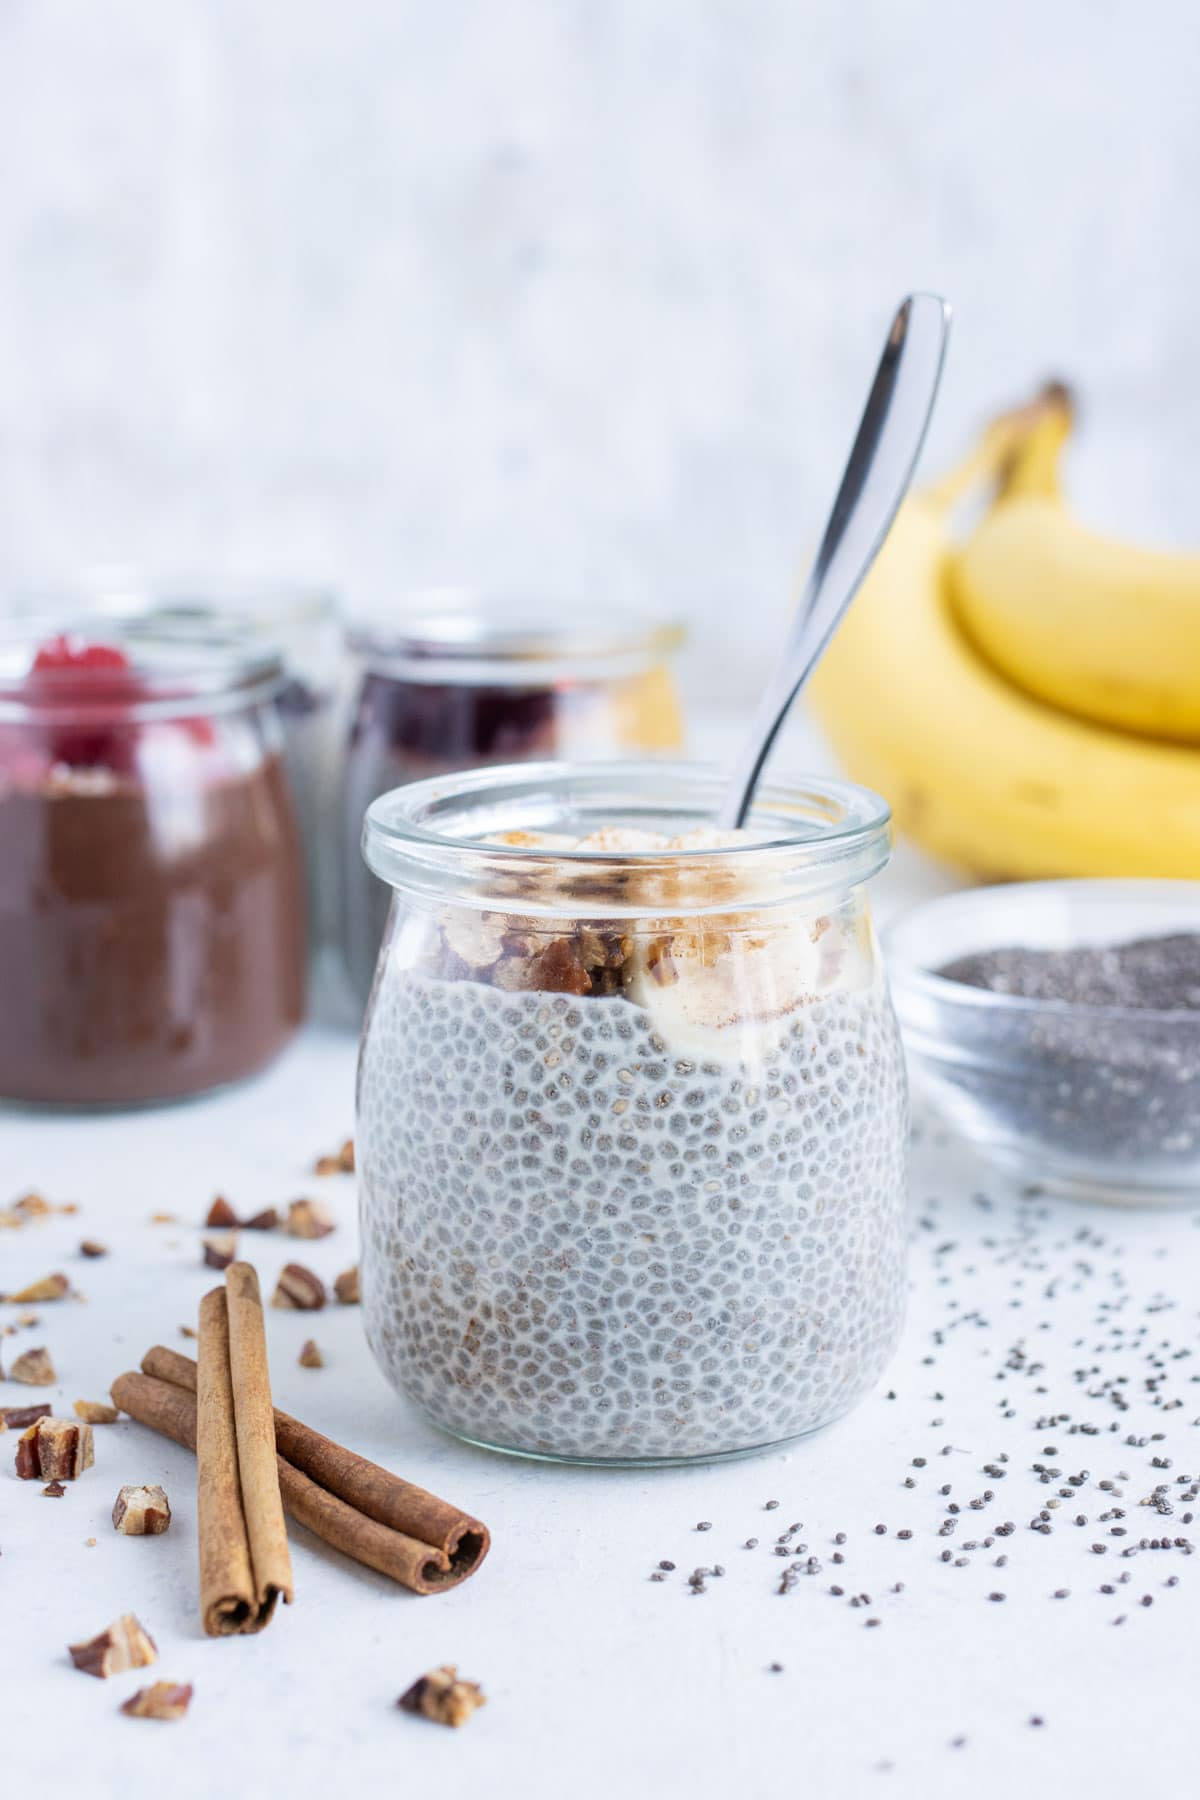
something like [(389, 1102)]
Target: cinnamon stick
[(368, 1488), (269, 1556), (168, 1405), (244, 1561)]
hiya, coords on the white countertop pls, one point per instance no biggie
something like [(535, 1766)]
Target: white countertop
[(600, 1681)]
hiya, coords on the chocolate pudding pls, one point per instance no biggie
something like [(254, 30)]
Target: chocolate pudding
[(152, 925)]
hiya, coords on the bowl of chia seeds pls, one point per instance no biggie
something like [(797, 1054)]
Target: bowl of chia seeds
[(1057, 1025)]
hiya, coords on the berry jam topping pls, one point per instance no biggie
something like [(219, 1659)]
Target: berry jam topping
[(64, 652), (91, 693)]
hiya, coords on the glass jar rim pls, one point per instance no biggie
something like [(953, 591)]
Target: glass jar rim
[(261, 603), (179, 669), (821, 832), (469, 636)]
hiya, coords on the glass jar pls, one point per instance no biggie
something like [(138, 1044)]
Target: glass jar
[(303, 625), (466, 684), (632, 1124), (152, 920)]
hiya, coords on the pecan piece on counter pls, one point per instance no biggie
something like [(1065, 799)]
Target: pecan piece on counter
[(221, 1216), (122, 1645), (54, 1450), (21, 1416), (310, 1355), (346, 1287), (54, 1491), (95, 1412), (266, 1220), (161, 1700), (442, 1697), (92, 1247), (50, 1287), (34, 1368), (141, 1512), (309, 1219), (221, 1250), (340, 1163), (299, 1288)]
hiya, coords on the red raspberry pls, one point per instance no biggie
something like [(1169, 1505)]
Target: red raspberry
[(106, 735), (64, 652)]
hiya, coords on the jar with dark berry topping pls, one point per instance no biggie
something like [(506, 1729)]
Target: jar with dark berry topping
[(467, 682), (152, 911)]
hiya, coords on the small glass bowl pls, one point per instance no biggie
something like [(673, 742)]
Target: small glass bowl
[(1099, 1102)]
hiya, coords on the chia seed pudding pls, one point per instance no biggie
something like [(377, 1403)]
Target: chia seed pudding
[(632, 1187)]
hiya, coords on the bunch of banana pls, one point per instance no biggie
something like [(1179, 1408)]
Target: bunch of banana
[(1029, 702)]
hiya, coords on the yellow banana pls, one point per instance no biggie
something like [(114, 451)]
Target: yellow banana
[(1099, 628), (975, 770)]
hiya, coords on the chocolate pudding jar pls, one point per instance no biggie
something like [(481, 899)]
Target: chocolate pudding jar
[(468, 683), (303, 624), (152, 913), (632, 1115)]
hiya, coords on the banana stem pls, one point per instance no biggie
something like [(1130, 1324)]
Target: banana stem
[(1018, 451)]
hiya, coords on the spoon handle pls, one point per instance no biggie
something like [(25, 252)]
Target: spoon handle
[(875, 481)]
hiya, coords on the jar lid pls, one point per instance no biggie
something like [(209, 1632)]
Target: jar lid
[(459, 635)]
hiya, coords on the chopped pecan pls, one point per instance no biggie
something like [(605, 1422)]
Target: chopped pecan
[(346, 1287), (559, 969), (122, 1645), (298, 1287), (341, 1163), (164, 1218), (309, 1219), (188, 1331), (34, 1368), (21, 1416), (50, 1287), (221, 1250), (266, 1220), (442, 1697), (53, 1491), (161, 1700), (54, 1450), (310, 1356), (96, 1412), (141, 1512), (90, 1247), (221, 1216)]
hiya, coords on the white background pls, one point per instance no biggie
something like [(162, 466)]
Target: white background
[(583, 293)]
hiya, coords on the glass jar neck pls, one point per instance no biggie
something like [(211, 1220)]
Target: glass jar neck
[(479, 640), (804, 841), (151, 671)]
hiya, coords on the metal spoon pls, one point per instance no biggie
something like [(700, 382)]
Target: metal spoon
[(876, 480)]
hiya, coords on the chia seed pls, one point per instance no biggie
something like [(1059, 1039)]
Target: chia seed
[(1101, 1085)]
